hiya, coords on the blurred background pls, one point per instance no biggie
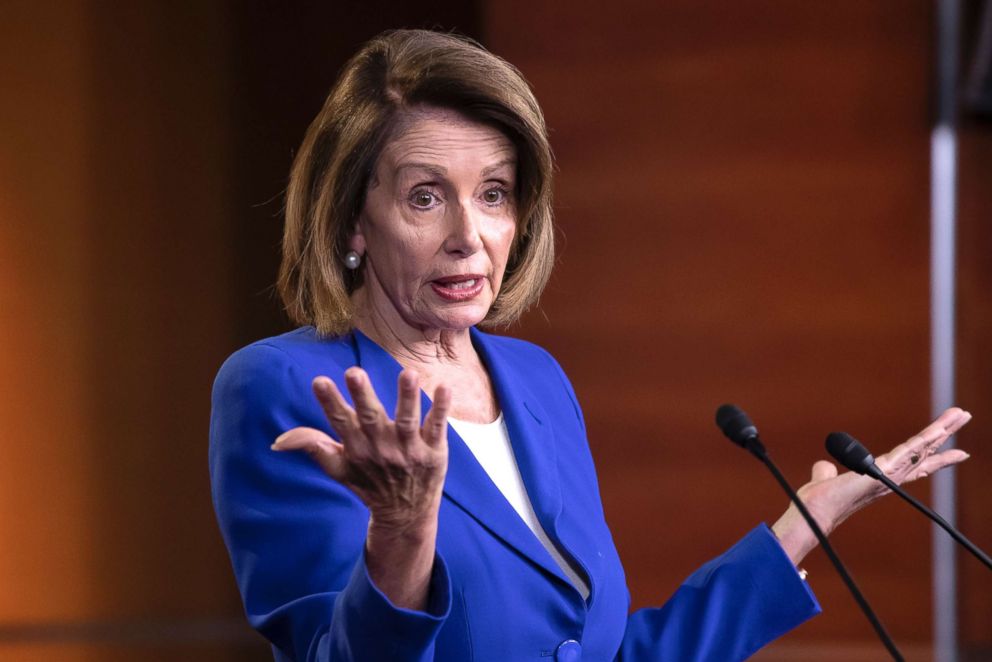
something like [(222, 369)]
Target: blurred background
[(743, 212)]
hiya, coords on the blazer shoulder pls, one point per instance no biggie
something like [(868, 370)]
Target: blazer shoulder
[(300, 352), (301, 346)]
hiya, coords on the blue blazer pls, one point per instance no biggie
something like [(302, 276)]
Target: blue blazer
[(296, 537)]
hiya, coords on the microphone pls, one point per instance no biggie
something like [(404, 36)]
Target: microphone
[(737, 426), (852, 454)]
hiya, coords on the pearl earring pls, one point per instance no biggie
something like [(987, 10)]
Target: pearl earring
[(352, 260)]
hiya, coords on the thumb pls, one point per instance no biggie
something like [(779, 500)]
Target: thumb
[(823, 470), (326, 452)]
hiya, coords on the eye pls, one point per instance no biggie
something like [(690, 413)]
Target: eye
[(424, 199), (494, 196)]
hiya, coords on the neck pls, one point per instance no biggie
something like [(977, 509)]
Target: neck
[(439, 355), (413, 346)]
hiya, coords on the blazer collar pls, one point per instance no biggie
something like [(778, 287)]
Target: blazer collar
[(467, 483)]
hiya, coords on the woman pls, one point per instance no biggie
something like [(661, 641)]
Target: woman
[(418, 209)]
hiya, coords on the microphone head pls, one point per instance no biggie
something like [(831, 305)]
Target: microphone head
[(851, 453), (736, 425)]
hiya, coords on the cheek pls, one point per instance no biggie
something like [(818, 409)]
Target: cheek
[(505, 241), (401, 245), (412, 255)]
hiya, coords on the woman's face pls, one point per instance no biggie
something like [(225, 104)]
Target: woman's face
[(438, 222)]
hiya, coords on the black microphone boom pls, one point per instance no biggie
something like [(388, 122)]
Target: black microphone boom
[(737, 426), (852, 454)]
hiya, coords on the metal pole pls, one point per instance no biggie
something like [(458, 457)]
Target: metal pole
[(943, 189)]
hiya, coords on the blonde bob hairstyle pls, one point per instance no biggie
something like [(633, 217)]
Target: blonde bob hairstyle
[(393, 73)]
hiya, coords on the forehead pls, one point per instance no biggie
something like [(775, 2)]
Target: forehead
[(446, 139)]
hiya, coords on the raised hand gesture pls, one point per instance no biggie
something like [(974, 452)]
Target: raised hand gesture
[(831, 497), (395, 466)]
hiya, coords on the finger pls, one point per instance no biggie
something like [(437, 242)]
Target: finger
[(408, 407), (370, 412), (949, 422), (959, 422), (930, 438), (823, 470), (435, 430), (337, 410), (946, 424), (938, 461), (324, 450)]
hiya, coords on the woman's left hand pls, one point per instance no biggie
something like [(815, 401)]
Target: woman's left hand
[(832, 498)]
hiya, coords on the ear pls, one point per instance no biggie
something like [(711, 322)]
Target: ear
[(357, 240)]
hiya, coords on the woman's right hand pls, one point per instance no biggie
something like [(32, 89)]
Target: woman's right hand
[(395, 466)]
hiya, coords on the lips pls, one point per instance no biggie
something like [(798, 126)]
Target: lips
[(458, 288)]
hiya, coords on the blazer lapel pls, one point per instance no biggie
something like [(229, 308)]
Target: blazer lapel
[(466, 482), (535, 447), (531, 434)]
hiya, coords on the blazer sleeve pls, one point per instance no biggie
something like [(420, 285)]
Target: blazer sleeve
[(295, 536), (726, 610)]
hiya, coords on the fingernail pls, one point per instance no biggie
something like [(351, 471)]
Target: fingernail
[(967, 455)]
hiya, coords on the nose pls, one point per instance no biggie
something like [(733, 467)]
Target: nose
[(463, 237)]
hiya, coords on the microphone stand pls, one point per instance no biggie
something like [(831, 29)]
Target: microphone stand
[(957, 535), (756, 448)]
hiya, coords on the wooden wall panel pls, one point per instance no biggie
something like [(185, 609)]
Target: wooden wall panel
[(44, 538), (743, 204), (975, 369), (116, 312), (157, 291)]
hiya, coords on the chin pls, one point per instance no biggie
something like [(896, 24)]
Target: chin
[(461, 322), (456, 316), (460, 318)]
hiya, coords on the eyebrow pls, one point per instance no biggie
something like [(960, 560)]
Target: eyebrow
[(435, 170), (488, 170), (439, 171)]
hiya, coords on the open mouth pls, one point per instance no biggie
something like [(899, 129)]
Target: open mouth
[(458, 288)]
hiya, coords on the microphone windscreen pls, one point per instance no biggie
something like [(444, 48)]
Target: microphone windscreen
[(735, 424), (849, 452)]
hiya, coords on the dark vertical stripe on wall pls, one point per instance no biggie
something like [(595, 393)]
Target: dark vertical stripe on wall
[(157, 292)]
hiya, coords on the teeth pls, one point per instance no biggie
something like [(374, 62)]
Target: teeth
[(461, 285)]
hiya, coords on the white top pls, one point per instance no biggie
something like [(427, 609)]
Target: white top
[(490, 443)]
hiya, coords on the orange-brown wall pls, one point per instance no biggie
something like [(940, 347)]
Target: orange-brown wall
[(742, 202), (975, 375), (116, 308)]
